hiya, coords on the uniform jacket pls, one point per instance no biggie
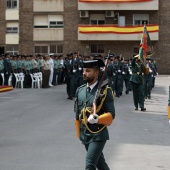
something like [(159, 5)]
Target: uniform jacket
[(83, 98), (137, 72)]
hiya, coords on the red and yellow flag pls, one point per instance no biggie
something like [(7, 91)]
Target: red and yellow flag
[(146, 48), (103, 29), (116, 1)]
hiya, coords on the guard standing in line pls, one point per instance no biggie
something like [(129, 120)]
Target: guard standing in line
[(117, 77), (1, 69), (76, 62), (14, 70), (80, 71), (155, 72), (137, 79), (91, 127), (51, 69), (126, 75), (27, 68), (7, 68), (55, 74), (148, 80), (110, 71), (69, 76), (19, 63)]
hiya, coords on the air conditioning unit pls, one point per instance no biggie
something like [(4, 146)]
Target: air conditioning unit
[(84, 14), (109, 14)]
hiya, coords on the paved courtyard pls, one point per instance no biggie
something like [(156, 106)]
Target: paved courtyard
[(37, 131)]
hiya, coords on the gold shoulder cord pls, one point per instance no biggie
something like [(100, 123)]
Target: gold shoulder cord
[(88, 110)]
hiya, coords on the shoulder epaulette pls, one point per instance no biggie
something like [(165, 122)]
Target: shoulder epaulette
[(82, 86)]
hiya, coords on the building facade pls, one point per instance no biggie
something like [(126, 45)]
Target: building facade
[(87, 26)]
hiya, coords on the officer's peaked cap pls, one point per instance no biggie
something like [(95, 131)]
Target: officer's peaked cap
[(93, 63)]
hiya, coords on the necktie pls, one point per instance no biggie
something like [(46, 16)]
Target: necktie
[(88, 89)]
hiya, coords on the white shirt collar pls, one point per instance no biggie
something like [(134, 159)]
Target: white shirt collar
[(92, 86)]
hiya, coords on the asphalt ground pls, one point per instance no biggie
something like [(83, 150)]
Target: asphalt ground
[(37, 131)]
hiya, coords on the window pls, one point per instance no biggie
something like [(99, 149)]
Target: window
[(97, 48), (53, 48), (56, 24), (12, 50), (12, 30), (97, 19), (97, 22), (12, 4), (48, 21), (135, 51), (140, 19), (59, 49), (41, 49), (47, 49)]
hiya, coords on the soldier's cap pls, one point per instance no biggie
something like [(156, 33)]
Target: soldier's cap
[(6, 54), (111, 55), (126, 59), (148, 59), (51, 54), (75, 53), (93, 63), (117, 57), (97, 55), (70, 55)]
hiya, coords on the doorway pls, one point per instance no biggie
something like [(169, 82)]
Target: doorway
[(2, 50)]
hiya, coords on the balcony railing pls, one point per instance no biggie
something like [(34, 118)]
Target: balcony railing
[(118, 5)]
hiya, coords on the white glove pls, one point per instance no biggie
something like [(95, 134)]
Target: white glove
[(119, 71), (123, 72), (92, 119), (74, 71), (80, 68)]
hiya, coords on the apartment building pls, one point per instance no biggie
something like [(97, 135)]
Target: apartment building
[(88, 26)]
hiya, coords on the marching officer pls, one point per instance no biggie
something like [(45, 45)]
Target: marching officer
[(137, 79), (110, 71), (91, 124), (126, 75)]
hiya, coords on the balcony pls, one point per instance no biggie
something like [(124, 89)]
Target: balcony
[(48, 34), (115, 33), (118, 5)]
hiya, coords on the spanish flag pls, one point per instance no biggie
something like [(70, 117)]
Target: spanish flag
[(146, 48), (116, 1)]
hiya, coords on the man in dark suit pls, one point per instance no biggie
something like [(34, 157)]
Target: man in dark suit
[(91, 123), (7, 68)]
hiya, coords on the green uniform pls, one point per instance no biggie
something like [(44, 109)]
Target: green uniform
[(1, 66), (110, 75), (94, 142), (137, 79)]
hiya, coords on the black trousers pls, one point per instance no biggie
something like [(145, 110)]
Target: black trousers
[(95, 158), (1, 80), (46, 76), (138, 95), (6, 76)]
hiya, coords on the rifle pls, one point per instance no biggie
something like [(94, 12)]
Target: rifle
[(101, 84)]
